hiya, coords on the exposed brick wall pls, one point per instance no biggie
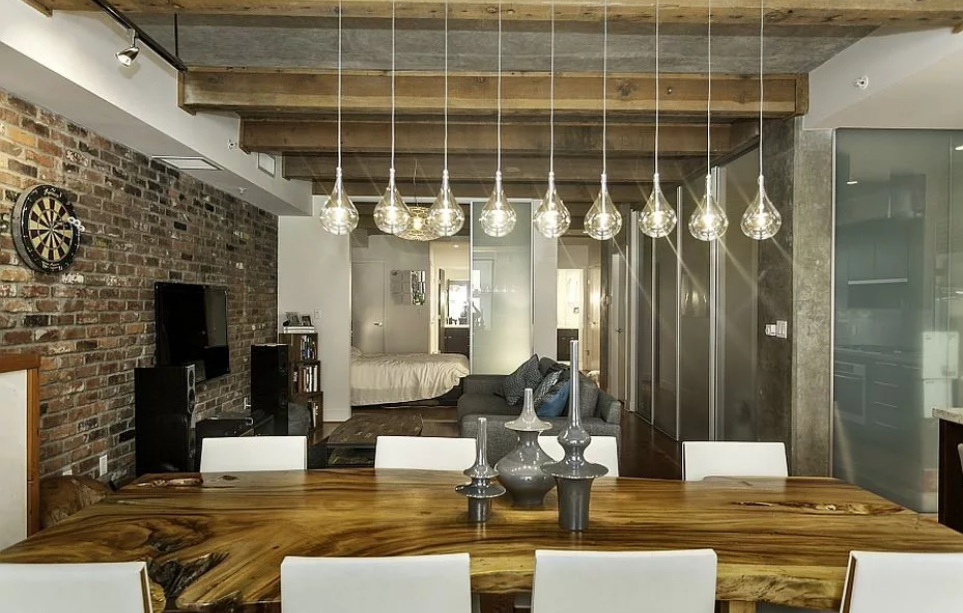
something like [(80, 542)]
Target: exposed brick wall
[(94, 323)]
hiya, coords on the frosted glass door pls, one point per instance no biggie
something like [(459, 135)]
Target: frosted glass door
[(501, 288), (13, 458)]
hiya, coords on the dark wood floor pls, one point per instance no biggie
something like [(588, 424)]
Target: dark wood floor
[(645, 451)]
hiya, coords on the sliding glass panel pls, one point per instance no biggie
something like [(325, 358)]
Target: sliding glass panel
[(666, 303), (501, 285), (645, 346)]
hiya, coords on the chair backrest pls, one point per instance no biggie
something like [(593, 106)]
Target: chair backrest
[(119, 587), (603, 450), (424, 452), (254, 453), (400, 584), (878, 582), (702, 459), (681, 581)]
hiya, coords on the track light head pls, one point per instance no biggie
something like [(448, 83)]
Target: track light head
[(127, 56)]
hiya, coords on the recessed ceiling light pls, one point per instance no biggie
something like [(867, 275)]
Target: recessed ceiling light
[(852, 182), (181, 162), (456, 245), (959, 147)]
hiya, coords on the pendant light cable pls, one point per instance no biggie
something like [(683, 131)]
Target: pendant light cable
[(709, 98), (393, 85), (762, 26), (551, 113), (340, 11), (499, 154), (605, 77), (657, 91), (446, 85)]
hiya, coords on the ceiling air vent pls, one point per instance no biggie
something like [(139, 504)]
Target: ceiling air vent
[(181, 162)]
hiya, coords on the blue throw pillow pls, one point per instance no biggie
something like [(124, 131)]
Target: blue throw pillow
[(553, 405)]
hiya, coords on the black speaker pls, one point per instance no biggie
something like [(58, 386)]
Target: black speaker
[(269, 385), (164, 400)]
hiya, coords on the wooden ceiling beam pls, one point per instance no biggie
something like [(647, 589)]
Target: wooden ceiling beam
[(365, 92), (532, 168), (375, 138), (788, 12)]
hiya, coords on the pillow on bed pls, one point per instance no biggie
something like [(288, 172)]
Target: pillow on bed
[(526, 375)]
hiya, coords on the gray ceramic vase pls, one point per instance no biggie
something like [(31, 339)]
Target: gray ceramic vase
[(482, 489), (574, 474), (520, 471)]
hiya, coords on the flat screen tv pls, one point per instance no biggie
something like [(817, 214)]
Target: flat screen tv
[(191, 324)]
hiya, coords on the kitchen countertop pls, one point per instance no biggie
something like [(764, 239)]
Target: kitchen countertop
[(954, 415)]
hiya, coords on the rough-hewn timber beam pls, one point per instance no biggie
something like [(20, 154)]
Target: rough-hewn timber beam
[(572, 193), (791, 12), (577, 94), (482, 167), (368, 138)]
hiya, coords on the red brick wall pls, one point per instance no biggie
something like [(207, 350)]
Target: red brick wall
[(94, 323)]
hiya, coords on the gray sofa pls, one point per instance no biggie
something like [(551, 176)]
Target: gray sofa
[(601, 413)]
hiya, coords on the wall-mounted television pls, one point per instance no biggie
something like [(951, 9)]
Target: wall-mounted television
[(191, 325)]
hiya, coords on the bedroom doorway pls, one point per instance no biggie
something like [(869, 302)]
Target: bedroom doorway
[(450, 260), (368, 306)]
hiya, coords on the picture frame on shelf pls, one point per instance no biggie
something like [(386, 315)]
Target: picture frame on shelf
[(306, 321), (292, 318)]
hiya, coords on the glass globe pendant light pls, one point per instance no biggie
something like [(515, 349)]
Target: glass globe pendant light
[(391, 214), (552, 218), (498, 216), (603, 220), (445, 217), (761, 219), (338, 215), (658, 219), (708, 222)]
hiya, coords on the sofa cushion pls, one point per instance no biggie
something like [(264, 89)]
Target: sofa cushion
[(547, 364), (555, 401), (588, 393), (545, 387), (526, 375)]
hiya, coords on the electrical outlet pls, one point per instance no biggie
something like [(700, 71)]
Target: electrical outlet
[(67, 471), (103, 465)]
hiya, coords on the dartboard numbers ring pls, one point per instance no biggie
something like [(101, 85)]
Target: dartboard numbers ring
[(45, 229)]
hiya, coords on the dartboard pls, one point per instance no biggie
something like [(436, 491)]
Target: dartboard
[(45, 231)]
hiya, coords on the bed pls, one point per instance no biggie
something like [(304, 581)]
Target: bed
[(403, 377)]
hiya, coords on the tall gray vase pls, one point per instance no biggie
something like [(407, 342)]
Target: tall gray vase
[(520, 470), (574, 474), (482, 489)]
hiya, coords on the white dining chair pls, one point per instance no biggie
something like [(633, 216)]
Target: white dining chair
[(682, 581), (116, 587), (399, 584), (254, 453), (888, 582), (603, 450), (701, 459), (424, 452)]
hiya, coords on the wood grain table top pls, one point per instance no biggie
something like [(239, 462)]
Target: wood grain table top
[(216, 542)]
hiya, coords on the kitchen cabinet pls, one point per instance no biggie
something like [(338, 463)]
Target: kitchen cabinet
[(456, 340)]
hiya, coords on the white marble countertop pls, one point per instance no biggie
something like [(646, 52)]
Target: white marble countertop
[(954, 415)]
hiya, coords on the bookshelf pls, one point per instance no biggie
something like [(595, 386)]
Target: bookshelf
[(304, 372)]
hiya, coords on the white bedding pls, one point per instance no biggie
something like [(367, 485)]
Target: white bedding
[(403, 377)]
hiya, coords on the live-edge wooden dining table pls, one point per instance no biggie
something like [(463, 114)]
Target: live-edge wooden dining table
[(215, 542)]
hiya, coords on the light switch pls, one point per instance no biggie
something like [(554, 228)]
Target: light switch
[(770, 329), (782, 328)]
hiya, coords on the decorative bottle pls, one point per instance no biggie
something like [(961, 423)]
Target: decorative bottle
[(520, 471)]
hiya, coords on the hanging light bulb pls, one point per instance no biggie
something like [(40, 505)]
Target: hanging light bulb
[(498, 216), (708, 221), (445, 217), (657, 219), (338, 216), (552, 218), (391, 214), (603, 220), (761, 219)]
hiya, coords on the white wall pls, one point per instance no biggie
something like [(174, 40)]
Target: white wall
[(406, 325), (66, 63), (314, 276), (13, 458)]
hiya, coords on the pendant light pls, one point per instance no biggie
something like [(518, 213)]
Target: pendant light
[(761, 219), (338, 215), (708, 221), (391, 214), (552, 218), (603, 220), (445, 216), (498, 216), (658, 219)]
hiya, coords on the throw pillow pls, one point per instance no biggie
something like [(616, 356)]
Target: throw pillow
[(554, 404), (526, 375), (545, 387)]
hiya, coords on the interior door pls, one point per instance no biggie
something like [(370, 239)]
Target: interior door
[(368, 306)]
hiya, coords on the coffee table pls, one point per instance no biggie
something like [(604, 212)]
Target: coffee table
[(352, 444)]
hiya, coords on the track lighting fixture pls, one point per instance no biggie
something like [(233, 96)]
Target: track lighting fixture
[(127, 56)]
